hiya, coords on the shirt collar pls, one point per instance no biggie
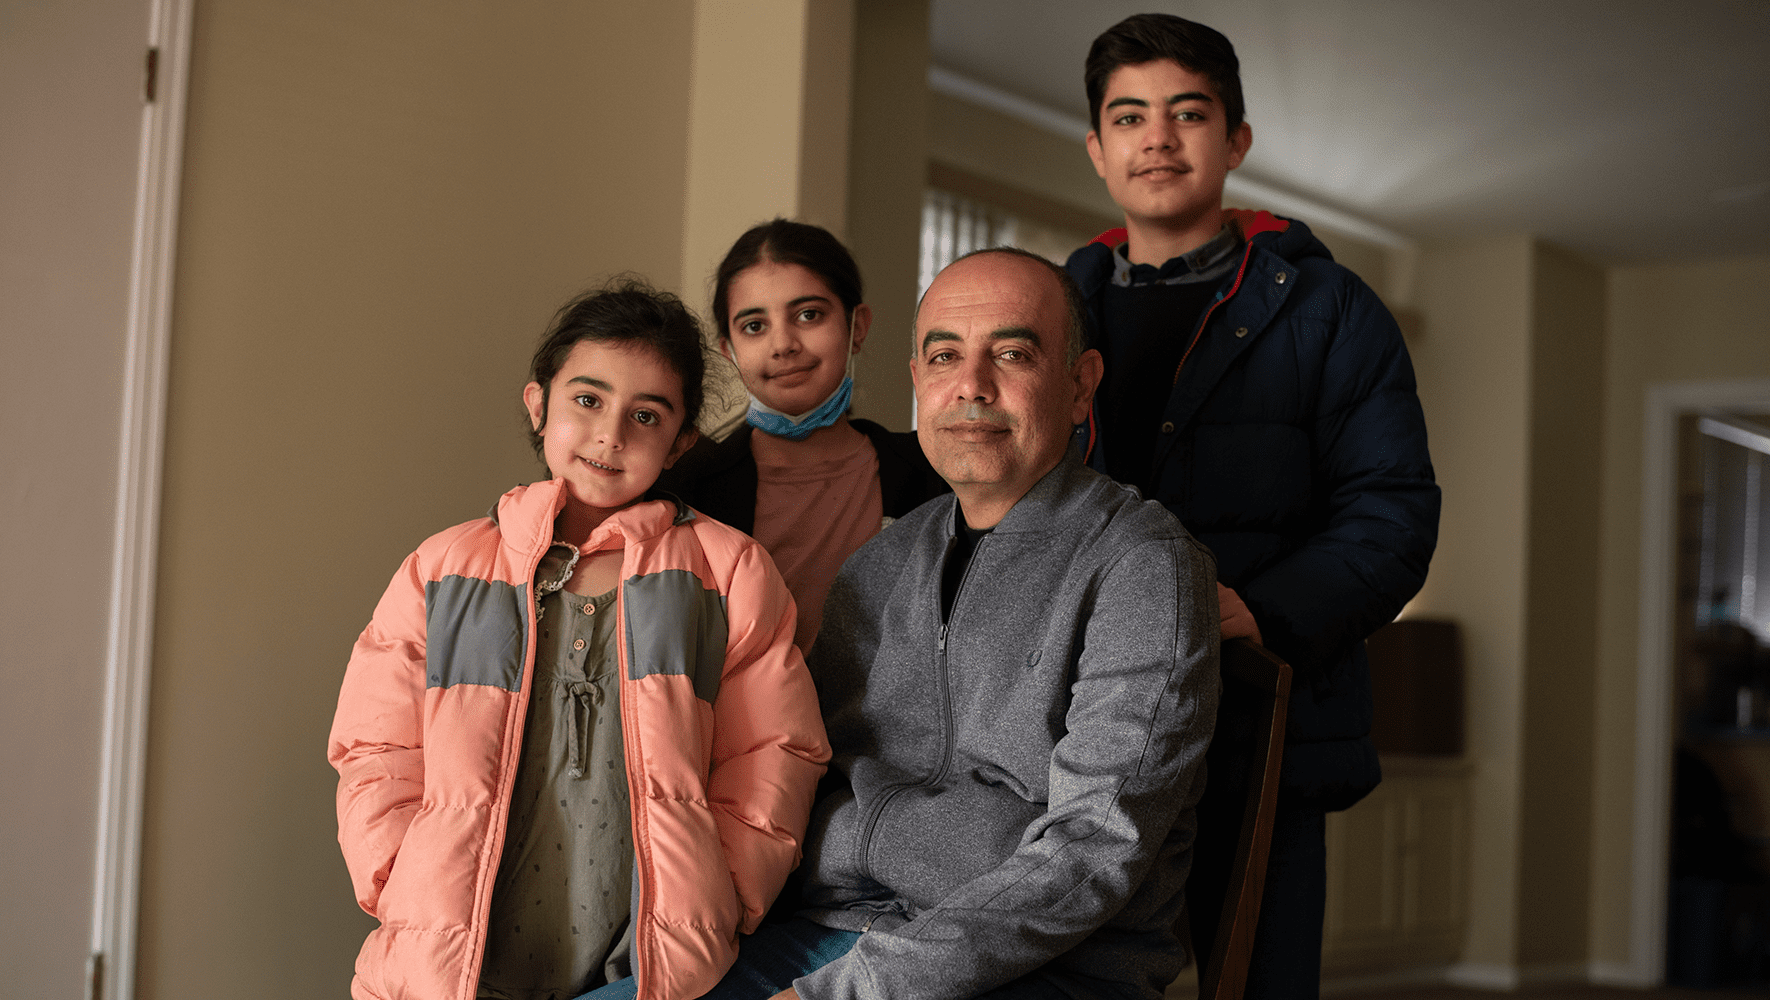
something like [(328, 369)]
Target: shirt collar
[(1205, 263)]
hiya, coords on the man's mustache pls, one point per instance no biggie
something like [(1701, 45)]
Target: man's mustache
[(975, 412)]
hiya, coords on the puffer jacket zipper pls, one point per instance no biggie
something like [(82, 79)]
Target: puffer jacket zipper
[(644, 961), (507, 780), (1240, 272)]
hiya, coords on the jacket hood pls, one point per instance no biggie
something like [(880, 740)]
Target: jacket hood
[(1290, 239), (1252, 224)]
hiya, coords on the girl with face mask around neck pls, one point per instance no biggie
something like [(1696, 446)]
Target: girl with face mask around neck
[(811, 484)]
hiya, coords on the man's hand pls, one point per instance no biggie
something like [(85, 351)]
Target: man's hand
[(787, 994), (1237, 620)]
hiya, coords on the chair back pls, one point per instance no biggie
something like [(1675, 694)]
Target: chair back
[(1248, 663)]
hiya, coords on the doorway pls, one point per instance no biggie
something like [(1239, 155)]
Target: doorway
[(1718, 902), (1683, 667)]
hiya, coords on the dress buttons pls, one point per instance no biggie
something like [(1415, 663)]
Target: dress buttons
[(1241, 331), (589, 607), (578, 644), (1167, 427), (1281, 277)]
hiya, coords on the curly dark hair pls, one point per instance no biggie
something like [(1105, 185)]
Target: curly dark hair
[(626, 310)]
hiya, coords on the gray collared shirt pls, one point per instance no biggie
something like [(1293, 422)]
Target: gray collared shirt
[(1208, 262)]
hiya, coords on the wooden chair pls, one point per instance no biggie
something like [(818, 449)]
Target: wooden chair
[(1226, 975)]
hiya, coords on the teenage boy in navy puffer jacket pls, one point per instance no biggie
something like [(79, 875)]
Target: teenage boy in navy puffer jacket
[(1263, 393)]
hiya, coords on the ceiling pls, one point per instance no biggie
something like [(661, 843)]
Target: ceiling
[(1629, 131)]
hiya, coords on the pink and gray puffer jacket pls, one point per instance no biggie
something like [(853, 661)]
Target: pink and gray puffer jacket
[(724, 744)]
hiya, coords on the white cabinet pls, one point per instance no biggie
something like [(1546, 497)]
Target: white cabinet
[(1397, 866)]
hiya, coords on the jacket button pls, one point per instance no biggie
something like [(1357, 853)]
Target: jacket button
[(1167, 427), (589, 607), (578, 644), (1281, 277), (1241, 331)]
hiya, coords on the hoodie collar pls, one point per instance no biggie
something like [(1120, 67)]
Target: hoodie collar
[(1049, 501)]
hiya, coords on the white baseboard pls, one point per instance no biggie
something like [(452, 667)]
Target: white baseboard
[(1493, 976), (1622, 974), (1425, 975), (1503, 977), (1553, 973), (1483, 975)]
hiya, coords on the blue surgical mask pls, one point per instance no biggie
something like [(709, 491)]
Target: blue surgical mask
[(769, 420)]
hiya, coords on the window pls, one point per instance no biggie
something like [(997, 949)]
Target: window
[(953, 226)]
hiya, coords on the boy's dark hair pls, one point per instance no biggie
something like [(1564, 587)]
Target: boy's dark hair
[(1143, 38), (784, 241), (625, 311)]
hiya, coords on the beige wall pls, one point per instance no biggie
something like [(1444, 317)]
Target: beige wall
[(1536, 431), (1473, 362), (1367, 260), (1510, 363), (988, 143), (71, 108), (1560, 594), (383, 204), (886, 166), (1666, 323), (768, 123)]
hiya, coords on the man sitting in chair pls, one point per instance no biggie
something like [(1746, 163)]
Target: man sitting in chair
[(1019, 682)]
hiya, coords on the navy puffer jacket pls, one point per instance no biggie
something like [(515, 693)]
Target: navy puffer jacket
[(1293, 445)]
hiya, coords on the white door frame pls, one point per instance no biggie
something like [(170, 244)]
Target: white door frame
[(135, 537), (1655, 729)]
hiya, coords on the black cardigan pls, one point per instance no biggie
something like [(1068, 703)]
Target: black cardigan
[(718, 478)]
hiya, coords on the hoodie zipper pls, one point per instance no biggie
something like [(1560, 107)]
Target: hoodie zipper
[(944, 682), (943, 674)]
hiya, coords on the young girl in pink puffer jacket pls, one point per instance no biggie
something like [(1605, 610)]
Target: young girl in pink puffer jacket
[(576, 741)]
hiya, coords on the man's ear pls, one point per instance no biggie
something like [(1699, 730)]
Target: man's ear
[(1239, 142), (685, 439), (1095, 154), (534, 399), (1088, 371), (863, 321)]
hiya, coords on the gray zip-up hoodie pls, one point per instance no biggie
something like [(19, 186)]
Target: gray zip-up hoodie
[(1020, 781)]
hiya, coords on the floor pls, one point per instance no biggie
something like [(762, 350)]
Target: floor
[(1186, 988), (1576, 991)]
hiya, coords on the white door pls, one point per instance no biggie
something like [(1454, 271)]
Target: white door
[(79, 244)]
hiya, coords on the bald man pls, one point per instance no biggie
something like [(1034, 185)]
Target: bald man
[(1019, 682)]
